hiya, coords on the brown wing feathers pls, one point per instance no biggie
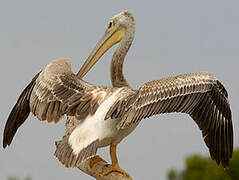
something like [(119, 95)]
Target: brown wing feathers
[(201, 96), (66, 155), (80, 101), (213, 116), (43, 104), (18, 114), (39, 98)]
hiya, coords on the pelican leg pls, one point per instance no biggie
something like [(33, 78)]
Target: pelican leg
[(115, 164)]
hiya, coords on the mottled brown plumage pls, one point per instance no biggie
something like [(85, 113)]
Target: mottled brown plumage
[(200, 95), (65, 155)]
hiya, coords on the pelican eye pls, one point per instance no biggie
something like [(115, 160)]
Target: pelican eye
[(110, 24)]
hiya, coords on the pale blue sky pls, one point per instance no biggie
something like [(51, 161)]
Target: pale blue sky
[(172, 37)]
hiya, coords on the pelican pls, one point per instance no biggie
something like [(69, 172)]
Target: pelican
[(107, 115)]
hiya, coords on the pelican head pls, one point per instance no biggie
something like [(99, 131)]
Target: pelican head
[(120, 27)]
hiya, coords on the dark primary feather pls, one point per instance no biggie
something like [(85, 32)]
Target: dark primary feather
[(18, 114), (201, 96), (37, 98)]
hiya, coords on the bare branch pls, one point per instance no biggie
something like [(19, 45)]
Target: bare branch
[(98, 170)]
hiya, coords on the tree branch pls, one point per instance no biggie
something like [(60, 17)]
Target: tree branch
[(94, 166), (98, 170)]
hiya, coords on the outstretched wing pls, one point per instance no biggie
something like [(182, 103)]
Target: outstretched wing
[(201, 96), (40, 98)]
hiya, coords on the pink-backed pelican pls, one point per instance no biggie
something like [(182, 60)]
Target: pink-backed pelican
[(106, 115)]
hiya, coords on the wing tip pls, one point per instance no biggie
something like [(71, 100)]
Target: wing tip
[(14, 121), (5, 144), (18, 114), (6, 140)]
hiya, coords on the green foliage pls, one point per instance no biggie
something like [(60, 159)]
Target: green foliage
[(16, 178), (172, 174), (203, 168), (12, 178)]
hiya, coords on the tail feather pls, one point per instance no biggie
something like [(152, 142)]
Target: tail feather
[(18, 114), (68, 158)]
